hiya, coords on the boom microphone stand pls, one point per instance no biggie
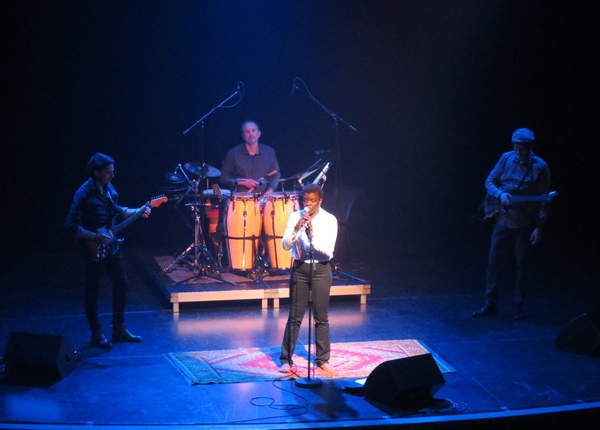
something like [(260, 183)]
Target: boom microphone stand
[(240, 92), (339, 201), (308, 382), (336, 120), (199, 245)]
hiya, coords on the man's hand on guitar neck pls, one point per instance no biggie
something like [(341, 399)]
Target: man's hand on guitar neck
[(130, 212), (505, 199)]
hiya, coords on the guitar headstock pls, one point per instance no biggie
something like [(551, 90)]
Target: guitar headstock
[(158, 200)]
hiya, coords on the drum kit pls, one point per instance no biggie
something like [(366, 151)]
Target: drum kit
[(234, 231)]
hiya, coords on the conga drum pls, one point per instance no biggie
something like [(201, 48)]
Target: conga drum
[(242, 229), (214, 203), (277, 210)]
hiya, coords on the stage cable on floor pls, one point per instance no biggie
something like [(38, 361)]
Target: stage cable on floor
[(269, 402), (443, 406)]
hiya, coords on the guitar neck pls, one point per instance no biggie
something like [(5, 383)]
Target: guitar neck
[(155, 202), (128, 221), (523, 199)]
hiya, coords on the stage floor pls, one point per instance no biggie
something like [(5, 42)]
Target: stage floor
[(183, 283), (509, 374)]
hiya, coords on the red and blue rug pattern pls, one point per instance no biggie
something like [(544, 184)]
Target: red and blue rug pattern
[(348, 360)]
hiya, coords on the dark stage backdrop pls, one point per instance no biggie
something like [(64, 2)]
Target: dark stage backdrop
[(433, 88)]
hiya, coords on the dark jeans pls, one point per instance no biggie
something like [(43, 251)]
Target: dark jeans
[(300, 279), (506, 243), (115, 269)]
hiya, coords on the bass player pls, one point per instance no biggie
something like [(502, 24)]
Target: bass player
[(92, 215)]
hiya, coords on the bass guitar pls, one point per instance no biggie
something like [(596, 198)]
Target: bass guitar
[(492, 205), (100, 250)]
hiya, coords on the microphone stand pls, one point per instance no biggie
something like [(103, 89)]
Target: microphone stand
[(336, 120), (308, 382), (240, 91), (199, 210)]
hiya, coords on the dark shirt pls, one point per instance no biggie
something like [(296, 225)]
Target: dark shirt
[(239, 164), (92, 210), (533, 178)]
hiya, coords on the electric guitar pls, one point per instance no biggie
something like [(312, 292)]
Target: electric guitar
[(493, 205), (100, 250)]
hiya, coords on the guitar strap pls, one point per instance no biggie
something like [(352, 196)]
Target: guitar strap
[(109, 196), (527, 172)]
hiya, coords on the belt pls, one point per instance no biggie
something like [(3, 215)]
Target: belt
[(300, 262)]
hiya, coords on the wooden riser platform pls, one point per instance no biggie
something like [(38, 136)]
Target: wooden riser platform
[(183, 285)]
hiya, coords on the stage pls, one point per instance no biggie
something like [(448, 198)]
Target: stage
[(184, 283), (507, 373)]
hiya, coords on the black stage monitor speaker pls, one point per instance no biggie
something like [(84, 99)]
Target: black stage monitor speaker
[(581, 335), (39, 358), (406, 382)]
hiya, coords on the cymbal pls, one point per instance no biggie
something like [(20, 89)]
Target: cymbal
[(202, 169), (297, 176), (174, 177)]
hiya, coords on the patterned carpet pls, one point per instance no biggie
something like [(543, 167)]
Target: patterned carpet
[(348, 359)]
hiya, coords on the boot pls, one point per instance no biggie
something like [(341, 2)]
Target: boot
[(98, 340), (121, 334)]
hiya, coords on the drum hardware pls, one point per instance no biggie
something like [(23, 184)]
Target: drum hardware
[(203, 170), (215, 200), (299, 177), (203, 260), (175, 178)]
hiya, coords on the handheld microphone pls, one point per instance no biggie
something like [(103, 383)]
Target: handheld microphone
[(306, 225)]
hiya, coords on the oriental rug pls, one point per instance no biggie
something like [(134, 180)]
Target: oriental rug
[(348, 359)]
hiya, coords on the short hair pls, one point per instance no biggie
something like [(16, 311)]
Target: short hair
[(248, 121), (98, 162), (312, 188)]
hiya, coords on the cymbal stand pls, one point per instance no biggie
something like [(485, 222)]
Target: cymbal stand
[(203, 260)]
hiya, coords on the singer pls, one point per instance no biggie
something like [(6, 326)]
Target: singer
[(251, 166), (310, 234)]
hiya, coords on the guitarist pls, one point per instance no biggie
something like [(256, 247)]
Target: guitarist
[(518, 226), (93, 213)]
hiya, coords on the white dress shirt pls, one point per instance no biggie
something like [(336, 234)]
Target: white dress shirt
[(324, 234)]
